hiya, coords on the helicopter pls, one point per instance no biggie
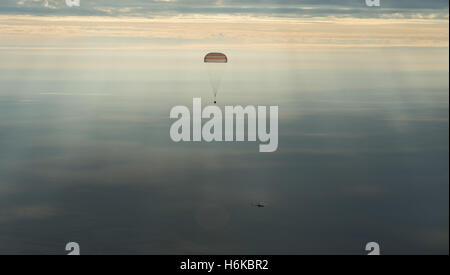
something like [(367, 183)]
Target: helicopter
[(259, 204)]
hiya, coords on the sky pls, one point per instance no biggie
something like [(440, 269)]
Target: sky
[(86, 154), (243, 24)]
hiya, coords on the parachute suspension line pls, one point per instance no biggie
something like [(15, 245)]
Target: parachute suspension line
[(215, 63)]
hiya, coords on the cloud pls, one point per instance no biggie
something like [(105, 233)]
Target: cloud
[(27, 212), (282, 8), (227, 31), (49, 4)]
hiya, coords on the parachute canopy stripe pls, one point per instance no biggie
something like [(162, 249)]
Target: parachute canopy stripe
[(216, 58)]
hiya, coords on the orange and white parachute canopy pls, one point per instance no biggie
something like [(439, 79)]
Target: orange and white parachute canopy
[(215, 58)]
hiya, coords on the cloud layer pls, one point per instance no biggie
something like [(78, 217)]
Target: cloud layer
[(273, 8)]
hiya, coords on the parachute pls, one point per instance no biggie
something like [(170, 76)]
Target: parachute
[(216, 66)]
